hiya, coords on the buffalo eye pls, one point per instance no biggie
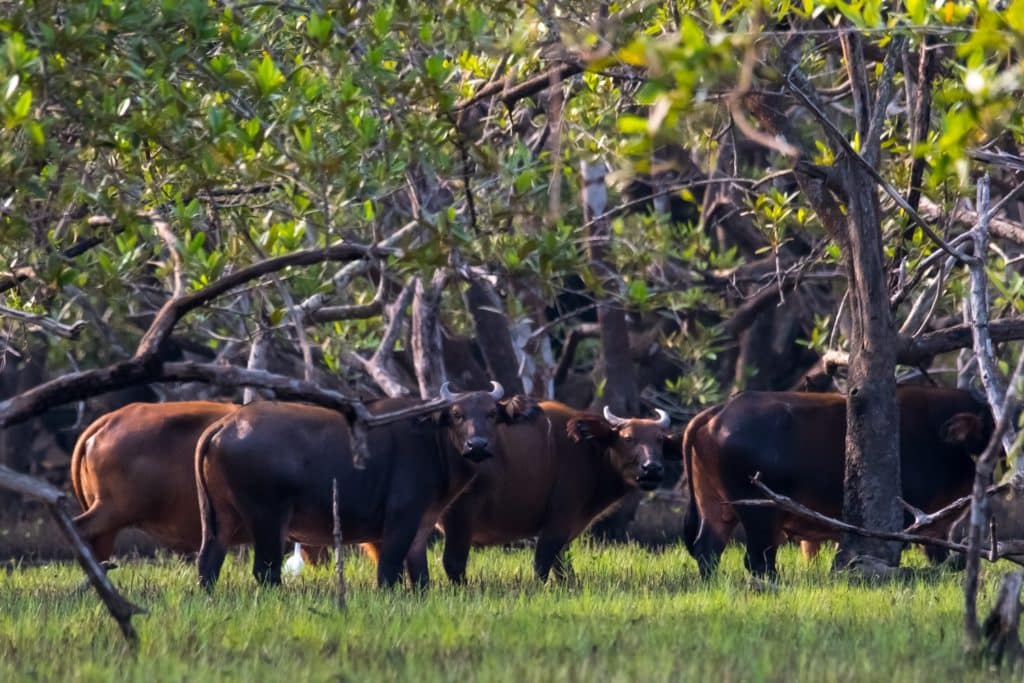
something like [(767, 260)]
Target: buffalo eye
[(492, 414), (628, 438), (456, 416)]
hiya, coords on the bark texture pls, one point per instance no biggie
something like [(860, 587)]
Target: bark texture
[(620, 390)]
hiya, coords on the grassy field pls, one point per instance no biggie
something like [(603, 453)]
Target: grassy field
[(633, 615)]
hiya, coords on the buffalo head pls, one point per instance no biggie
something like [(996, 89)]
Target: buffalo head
[(472, 416), (637, 447), (968, 430)]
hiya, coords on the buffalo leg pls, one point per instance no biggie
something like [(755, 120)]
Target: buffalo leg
[(267, 548), (936, 555), (210, 560), (457, 539), (707, 551), (416, 558), (550, 552), (99, 531), (762, 531), (810, 549), (393, 548), (315, 554), (563, 567)]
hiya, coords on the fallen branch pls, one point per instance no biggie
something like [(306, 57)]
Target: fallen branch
[(1004, 549), (120, 608)]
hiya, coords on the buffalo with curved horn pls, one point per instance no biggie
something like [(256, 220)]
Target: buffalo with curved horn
[(497, 392), (616, 421)]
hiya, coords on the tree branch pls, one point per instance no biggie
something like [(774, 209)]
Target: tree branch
[(176, 308), (50, 325)]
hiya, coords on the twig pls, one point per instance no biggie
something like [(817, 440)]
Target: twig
[(339, 549)]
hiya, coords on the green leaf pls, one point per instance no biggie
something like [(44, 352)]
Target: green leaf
[(268, 76), (35, 133), (637, 292), (23, 105)]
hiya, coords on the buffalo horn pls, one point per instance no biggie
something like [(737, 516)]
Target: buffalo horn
[(446, 394), (663, 420), (497, 391), (612, 419)]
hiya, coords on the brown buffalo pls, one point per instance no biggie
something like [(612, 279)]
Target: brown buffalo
[(134, 468), (797, 442), (550, 478), (275, 463)]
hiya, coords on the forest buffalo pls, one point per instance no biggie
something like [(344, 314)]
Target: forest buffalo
[(133, 467), (275, 463), (797, 442), (549, 478)]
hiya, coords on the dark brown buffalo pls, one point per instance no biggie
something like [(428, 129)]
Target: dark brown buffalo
[(133, 467), (797, 442), (275, 462), (550, 478)]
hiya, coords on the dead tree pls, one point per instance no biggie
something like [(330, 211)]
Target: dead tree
[(426, 333), (620, 390), (492, 331)]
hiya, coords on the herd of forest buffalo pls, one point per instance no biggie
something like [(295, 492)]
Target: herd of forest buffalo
[(489, 469)]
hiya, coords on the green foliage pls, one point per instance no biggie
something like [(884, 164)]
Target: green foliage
[(257, 130)]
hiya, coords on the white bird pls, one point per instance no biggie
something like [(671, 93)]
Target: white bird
[(294, 564)]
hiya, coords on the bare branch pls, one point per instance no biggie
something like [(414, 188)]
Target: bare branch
[(176, 308), (171, 242), (352, 311), (510, 94), (50, 325), (999, 227)]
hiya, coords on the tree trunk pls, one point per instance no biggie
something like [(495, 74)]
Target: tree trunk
[(426, 334), (871, 484), (258, 350), (620, 391), (494, 335)]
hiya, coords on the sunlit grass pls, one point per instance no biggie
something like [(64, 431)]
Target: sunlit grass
[(631, 615)]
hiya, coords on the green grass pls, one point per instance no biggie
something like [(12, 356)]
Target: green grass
[(633, 615)]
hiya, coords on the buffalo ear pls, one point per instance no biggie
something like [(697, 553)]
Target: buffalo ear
[(587, 426), (672, 448), (518, 409), (963, 429)]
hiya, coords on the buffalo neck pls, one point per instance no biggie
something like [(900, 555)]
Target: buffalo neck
[(454, 470), (608, 484)]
